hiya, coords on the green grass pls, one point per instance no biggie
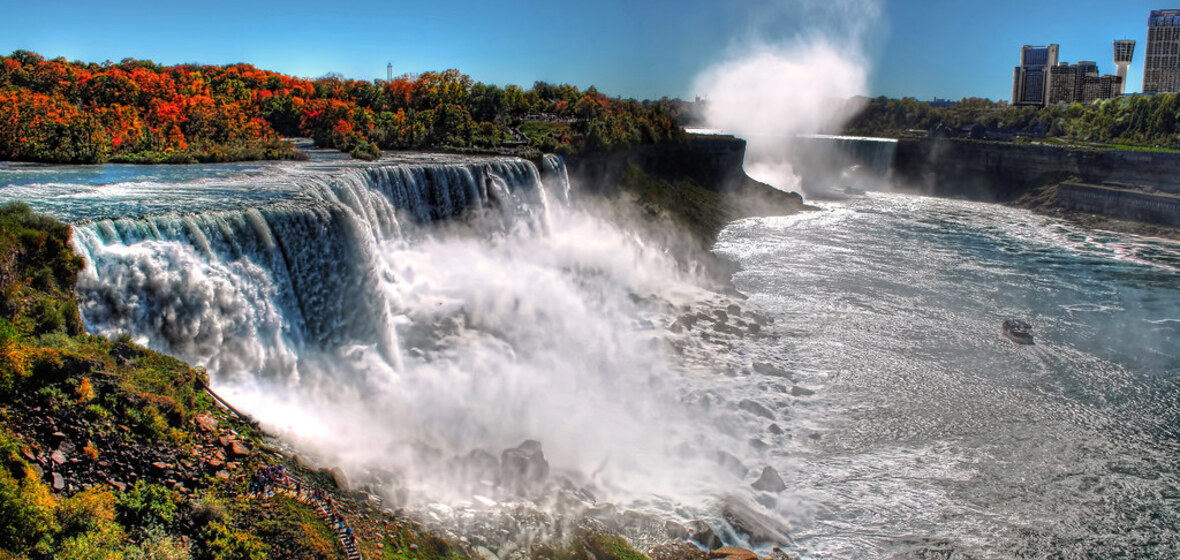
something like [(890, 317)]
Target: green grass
[(406, 544), (1056, 141), (700, 211), (546, 136)]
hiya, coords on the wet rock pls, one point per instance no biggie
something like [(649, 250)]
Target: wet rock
[(797, 391), (721, 316), (756, 409), (774, 429), (754, 522), (678, 551), (479, 466), (733, 553), (524, 466), (754, 328), (731, 464), (340, 479), (28, 454), (777, 553), (59, 482), (238, 449), (676, 531), (482, 553), (117, 485), (58, 457), (607, 515), (758, 444), (772, 370), (206, 422), (769, 481), (124, 353), (303, 464), (724, 328), (701, 533)]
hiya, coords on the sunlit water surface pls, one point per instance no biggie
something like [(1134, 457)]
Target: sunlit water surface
[(930, 434)]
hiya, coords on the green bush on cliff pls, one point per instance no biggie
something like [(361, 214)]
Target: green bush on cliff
[(148, 505), (14, 358), (27, 522), (37, 272), (698, 210)]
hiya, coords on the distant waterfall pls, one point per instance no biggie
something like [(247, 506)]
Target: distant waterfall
[(835, 164)]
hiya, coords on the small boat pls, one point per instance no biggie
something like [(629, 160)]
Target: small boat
[(1017, 331)]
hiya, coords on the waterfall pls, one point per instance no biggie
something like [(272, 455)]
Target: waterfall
[(409, 322), (834, 165), (245, 292)]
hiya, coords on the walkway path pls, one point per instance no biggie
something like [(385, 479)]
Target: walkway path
[(272, 479)]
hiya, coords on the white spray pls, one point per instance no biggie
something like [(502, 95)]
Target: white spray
[(774, 88)]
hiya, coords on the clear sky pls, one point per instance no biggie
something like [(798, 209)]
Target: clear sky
[(631, 48)]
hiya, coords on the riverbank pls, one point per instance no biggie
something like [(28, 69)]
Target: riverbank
[(1127, 191)]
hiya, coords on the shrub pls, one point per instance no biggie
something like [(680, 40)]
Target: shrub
[(27, 522), (15, 364), (148, 505), (85, 390), (365, 150), (222, 542)]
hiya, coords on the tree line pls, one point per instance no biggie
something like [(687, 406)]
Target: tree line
[(139, 111), (1148, 121)]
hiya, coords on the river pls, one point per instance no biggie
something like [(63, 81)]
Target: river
[(410, 319), (929, 431)]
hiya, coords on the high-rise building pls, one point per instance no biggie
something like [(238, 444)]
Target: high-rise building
[(1080, 83), (389, 72), (1124, 51), (1031, 80), (1161, 70)]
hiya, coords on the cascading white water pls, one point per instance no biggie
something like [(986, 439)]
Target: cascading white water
[(403, 321)]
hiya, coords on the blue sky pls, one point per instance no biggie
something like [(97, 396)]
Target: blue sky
[(633, 48)]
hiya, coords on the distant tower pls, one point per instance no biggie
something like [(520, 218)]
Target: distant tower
[(1031, 81), (389, 68), (1161, 64), (1124, 50)]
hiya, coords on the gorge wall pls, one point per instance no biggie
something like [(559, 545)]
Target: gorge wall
[(1124, 184), (711, 162)]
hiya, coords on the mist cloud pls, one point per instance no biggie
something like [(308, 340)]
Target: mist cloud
[(781, 83)]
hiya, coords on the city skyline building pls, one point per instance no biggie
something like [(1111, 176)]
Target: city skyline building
[(1124, 53), (1161, 70), (1031, 81), (1081, 83)]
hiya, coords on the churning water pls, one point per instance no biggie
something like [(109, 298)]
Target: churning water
[(408, 320), (930, 434)]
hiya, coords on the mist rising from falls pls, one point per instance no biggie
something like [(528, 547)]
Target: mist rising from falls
[(409, 322), (776, 86)]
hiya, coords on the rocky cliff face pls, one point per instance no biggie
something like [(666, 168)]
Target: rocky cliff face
[(712, 162), (1120, 184), (997, 171)]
